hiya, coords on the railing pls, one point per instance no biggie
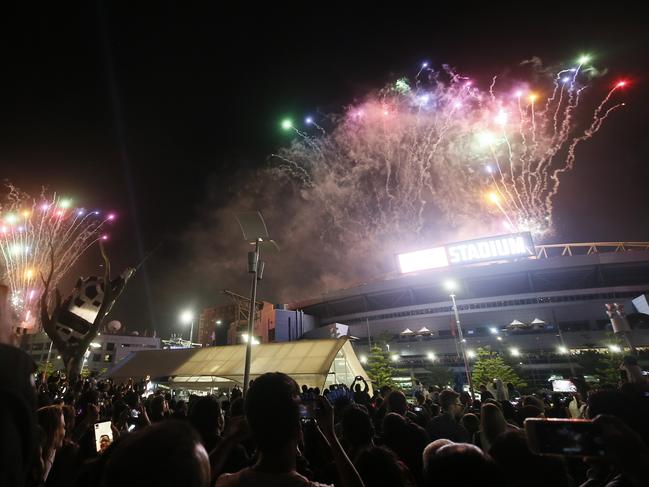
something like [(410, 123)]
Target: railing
[(587, 248)]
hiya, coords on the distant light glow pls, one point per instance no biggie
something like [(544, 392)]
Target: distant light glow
[(493, 330), (363, 359), (620, 84), (501, 118), (493, 197), (287, 124), (562, 350), (424, 64), (394, 357), (584, 59), (308, 120), (615, 348), (470, 353), (515, 352), (450, 285), (430, 356), (186, 317), (565, 79), (486, 139)]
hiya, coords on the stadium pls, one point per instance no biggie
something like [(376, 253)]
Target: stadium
[(539, 306)]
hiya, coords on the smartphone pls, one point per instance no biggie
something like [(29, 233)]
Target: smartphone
[(307, 409), (563, 386), (564, 437), (103, 435)]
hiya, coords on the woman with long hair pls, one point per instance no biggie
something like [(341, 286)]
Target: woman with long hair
[(492, 424), (51, 421)]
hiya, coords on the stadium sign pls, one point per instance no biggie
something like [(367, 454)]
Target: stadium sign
[(502, 247)]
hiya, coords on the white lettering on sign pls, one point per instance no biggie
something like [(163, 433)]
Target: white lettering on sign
[(486, 249), (494, 248)]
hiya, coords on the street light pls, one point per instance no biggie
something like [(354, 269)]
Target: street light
[(187, 318), (254, 231), (515, 352), (451, 286)]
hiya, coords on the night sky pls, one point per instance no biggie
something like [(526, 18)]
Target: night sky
[(158, 112)]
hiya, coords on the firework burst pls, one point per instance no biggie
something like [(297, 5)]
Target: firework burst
[(39, 236), (438, 149)]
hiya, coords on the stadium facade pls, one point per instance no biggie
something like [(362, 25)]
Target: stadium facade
[(539, 307)]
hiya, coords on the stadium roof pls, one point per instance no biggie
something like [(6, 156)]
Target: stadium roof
[(307, 361), (555, 268)]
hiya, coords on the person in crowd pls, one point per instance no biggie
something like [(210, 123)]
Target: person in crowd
[(512, 391), (484, 393), (357, 429), (447, 424), (471, 423), (52, 423), (167, 453), (207, 419), (20, 461), (380, 467), (407, 440), (500, 392), (462, 464), (273, 417), (558, 407), (361, 396), (396, 402), (492, 424)]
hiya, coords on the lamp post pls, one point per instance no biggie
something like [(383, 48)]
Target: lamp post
[(187, 318), (255, 232), (451, 286)]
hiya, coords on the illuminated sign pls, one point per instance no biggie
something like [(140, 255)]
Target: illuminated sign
[(501, 247)]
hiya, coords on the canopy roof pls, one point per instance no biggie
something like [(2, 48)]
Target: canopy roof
[(307, 361)]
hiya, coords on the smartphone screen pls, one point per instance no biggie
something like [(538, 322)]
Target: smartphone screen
[(306, 409), (103, 435), (565, 437), (563, 386)]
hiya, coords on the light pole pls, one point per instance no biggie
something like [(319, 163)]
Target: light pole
[(451, 286), (187, 318), (254, 231)]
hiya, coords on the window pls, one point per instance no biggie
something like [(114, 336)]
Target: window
[(96, 357), (110, 346)]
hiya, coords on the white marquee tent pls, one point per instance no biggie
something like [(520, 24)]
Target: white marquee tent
[(311, 362)]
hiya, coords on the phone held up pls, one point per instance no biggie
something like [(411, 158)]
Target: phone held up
[(564, 437)]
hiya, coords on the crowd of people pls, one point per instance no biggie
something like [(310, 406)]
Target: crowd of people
[(281, 434)]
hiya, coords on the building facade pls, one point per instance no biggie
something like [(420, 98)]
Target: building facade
[(105, 350)]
